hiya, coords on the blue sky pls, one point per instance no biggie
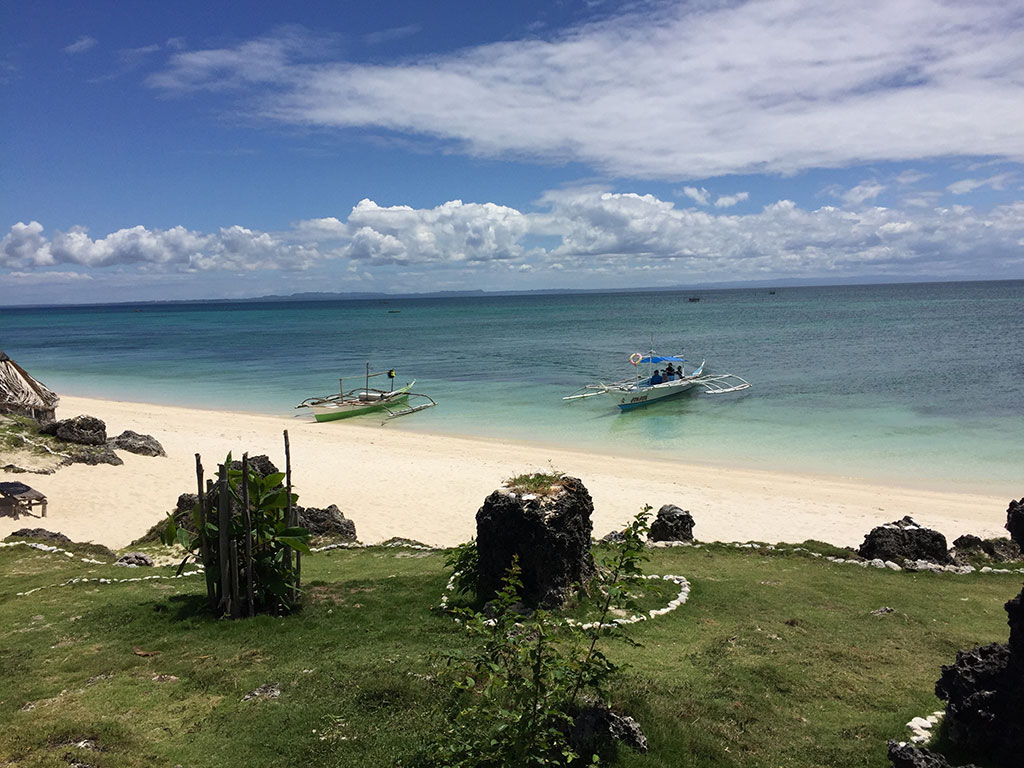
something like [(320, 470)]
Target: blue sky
[(200, 150)]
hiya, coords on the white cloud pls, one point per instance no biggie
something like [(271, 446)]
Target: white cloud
[(784, 240), (677, 90), (177, 249), (593, 237), (48, 278), (25, 246), (700, 196), (728, 201), (964, 186), (860, 194), (81, 45), (450, 233)]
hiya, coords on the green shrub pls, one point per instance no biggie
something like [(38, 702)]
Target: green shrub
[(513, 696), (258, 529)]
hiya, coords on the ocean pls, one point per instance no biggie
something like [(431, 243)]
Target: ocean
[(920, 385)]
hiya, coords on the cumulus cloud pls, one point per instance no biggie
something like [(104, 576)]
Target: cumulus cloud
[(591, 236), (176, 249), (699, 196), (614, 229), (699, 89), (450, 233), (81, 45), (728, 201)]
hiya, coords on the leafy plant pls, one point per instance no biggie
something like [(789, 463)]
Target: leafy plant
[(513, 698), (463, 562), (259, 540)]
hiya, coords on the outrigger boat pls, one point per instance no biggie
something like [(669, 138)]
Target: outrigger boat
[(645, 389), (366, 399)]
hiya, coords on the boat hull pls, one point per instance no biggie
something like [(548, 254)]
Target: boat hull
[(335, 411), (638, 398)]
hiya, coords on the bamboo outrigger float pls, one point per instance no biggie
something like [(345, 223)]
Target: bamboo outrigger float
[(366, 399), (651, 387)]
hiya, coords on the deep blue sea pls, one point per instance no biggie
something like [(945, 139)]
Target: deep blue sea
[(918, 384)]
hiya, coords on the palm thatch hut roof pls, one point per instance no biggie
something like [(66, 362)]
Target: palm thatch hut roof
[(20, 393)]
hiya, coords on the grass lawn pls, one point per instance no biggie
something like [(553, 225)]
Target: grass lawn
[(776, 660)]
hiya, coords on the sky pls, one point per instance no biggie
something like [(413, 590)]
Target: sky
[(196, 150)]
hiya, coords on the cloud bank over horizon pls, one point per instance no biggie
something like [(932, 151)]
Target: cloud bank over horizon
[(583, 236)]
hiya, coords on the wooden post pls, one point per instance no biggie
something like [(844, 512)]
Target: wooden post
[(214, 566), (204, 545), (247, 517), (224, 541), (291, 515), (236, 602)]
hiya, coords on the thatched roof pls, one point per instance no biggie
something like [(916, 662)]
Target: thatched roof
[(17, 387)]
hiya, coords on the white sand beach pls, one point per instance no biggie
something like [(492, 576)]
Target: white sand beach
[(429, 487)]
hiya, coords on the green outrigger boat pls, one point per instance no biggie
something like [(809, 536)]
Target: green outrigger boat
[(366, 399)]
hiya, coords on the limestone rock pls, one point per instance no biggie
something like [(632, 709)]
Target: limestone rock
[(268, 691), (598, 730), (904, 540), (42, 534), (549, 534), (903, 755), (984, 694), (261, 465), (672, 524), (143, 445), (1015, 522), (92, 455), (613, 537), (327, 522), (135, 560), (84, 430), (1000, 550)]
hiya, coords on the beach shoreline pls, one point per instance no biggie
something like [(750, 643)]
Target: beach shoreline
[(428, 486)]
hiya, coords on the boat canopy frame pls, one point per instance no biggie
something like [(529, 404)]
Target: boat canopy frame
[(711, 383)]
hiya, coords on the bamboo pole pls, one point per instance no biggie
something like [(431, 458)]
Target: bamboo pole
[(204, 545), (247, 513), (213, 565), (236, 603), (223, 541), (291, 515)]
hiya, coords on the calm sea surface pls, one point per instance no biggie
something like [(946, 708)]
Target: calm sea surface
[(917, 384)]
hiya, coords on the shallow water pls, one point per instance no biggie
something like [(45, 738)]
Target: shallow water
[(915, 384)]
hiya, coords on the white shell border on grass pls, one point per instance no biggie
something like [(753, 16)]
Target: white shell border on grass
[(682, 596)]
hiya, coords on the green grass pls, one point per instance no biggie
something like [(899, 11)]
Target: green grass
[(775, 661), (541, 483)]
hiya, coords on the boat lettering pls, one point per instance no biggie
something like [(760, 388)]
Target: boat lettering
[(638, 399)]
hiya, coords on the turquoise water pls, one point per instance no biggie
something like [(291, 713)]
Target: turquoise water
[(917, 384)]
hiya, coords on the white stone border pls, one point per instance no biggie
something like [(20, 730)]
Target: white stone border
[(85, 579), (678, 600), (918, 565), (921, 727), (49, 549), (360, 545)]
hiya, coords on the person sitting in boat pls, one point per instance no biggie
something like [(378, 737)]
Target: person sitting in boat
[(670, 373), (656, 377)]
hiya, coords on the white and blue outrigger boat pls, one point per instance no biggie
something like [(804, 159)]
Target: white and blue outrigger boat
[(651, 385)]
